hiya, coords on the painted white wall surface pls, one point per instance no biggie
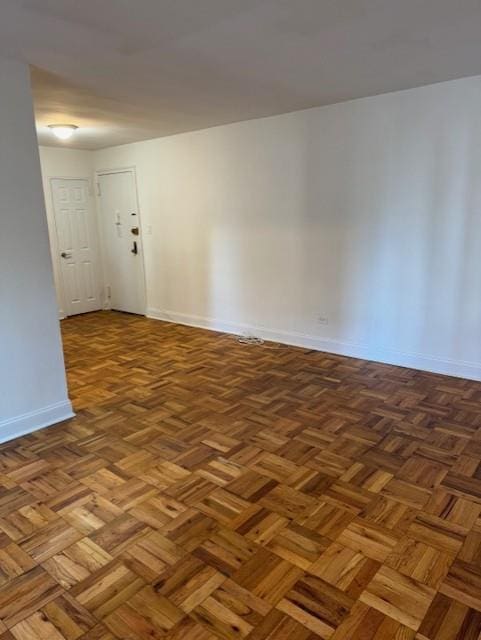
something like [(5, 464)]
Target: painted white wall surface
[(33, 390), (367, 213), (56, 162)]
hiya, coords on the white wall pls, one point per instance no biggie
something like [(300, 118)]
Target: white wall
[(366, 212), (33, 391), (62, 163)]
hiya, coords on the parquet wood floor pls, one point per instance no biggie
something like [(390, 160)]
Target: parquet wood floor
[(212, 490)]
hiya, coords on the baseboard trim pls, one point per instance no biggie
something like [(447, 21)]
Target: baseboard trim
[(422, 362), (35, 420)]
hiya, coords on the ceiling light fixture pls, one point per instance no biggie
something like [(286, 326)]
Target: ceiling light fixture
[(63, 131)]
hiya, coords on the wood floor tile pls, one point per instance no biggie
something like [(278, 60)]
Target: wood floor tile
[(422, 472), (298, 545), (367, 477), (278, 626), (189, 629), (463, 583), (398, 597), (50, 540), (370, 539), (36, 627), (274, 467), (99, 632), (119, 534), (289, 503), (157, 510), (436, 533), (188, 583), (262, 526), (14, 562), (190, 529), (459, 512), (449, 619), (210, 490), (221, 471), (24, 595), (149, 556), (76, 562), (345, 569), (348, 496), (267, 576), (146, 615), (231, 611), (226, 551), (389, 513), (317, 605), (164, 475), (328, 519), (407, 493), (103, 591), (226, 508), (222, 621), (49, 484), (251, 486), (470, 552), (68, 617), (131, 493), (365, 623), (420, 561), (13, 499), (23, 522)]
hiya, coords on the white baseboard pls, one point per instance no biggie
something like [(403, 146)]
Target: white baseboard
[(29, 422), (423, 362)]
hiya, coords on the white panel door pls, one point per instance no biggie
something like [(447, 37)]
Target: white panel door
[(77, 245), (121, 241)]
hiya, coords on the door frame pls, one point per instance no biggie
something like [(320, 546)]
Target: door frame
[(54, 243), (140, 238)]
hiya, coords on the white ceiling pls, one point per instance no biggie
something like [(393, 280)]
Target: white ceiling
[(126, 70)]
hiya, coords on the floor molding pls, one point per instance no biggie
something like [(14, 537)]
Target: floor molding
[(35, 420), (423, 362)]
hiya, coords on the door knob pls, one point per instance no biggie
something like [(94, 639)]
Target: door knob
[(134, 249), (66, 255)]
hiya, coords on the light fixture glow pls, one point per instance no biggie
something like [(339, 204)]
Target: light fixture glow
[(63, 131)]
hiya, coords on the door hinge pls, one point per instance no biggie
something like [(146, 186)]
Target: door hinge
[(99, 193), (108, 292)]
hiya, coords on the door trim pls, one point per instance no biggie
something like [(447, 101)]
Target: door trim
[(54, 245), (140, 238)]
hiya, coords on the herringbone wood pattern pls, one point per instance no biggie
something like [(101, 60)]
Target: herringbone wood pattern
[(211, 490)]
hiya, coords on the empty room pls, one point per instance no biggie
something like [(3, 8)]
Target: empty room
[(240, 322)]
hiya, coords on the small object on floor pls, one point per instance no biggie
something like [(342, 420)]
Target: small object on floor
[(249, 340)]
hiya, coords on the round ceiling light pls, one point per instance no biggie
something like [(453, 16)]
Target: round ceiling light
[(63, 131)]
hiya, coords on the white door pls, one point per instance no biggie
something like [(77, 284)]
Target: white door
[(77, 245), (122, 246)]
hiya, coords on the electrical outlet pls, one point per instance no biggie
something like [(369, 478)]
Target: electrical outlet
[(322, 319)]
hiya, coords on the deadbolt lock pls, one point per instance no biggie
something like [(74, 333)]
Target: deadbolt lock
[(135, 231)]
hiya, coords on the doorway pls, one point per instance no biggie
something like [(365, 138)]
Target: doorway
[(76, 230), (122, 251)]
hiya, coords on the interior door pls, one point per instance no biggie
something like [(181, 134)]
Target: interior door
[(123, 261), (77, 245)]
